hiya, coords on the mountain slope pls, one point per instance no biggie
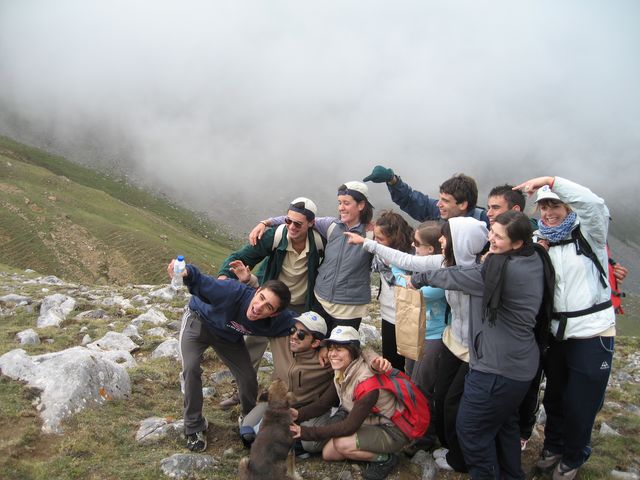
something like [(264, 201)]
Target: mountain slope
[(63, 219)]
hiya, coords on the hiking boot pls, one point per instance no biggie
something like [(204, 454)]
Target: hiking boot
[(197, 442), (547, 460), (380, 470), (229, 402), (562, 472), (442, 464)]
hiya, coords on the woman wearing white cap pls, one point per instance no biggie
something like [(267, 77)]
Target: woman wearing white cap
[(342, 287), (361, 435), (573, 225)]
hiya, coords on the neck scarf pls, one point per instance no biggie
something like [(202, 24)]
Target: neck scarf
[(560, 232)]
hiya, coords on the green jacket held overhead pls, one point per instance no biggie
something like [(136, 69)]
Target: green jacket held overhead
[(270, 270)]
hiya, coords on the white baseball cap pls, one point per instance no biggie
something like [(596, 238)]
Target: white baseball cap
[(313, 322), (344, 335), (309, 209), (545, 193), (359, 188)]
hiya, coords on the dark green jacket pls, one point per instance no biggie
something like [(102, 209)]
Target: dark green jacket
[(270, 270)]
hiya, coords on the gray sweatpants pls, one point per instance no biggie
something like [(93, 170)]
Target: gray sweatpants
[(195, 338)]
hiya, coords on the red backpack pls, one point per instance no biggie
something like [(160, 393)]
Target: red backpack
[(413, 420)]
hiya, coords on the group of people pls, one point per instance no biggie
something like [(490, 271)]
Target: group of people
[(489, 279)]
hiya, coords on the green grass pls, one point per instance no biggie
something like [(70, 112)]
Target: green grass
[(64, 219)]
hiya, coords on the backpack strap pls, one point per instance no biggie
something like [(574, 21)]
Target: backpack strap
[(563, 316), (584, 248), (277, 238)]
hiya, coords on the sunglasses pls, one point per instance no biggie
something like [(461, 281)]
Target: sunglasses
[(417, 243), (289, 221), (300, 334)]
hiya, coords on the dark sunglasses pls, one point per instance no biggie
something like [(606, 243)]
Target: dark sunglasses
[(300, 334), (289, 221)]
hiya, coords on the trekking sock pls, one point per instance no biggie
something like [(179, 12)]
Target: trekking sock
[(381, 457)]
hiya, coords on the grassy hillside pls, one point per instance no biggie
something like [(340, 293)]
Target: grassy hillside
[(60, 218)]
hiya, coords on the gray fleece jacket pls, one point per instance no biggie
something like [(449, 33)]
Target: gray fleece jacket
[(508, 347)]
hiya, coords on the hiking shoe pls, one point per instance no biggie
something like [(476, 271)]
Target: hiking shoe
[(440, 452), (562, 472), (547, 459), (229, 402), (380, 470), (197, 442), (442, 464)]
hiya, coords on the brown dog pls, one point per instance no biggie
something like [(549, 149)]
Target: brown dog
[(269, 451)]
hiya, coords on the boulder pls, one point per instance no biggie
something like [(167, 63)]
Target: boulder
[(54, 310), (114, 341), (154, 429), (68, 381), (168, 348), (167, 294), (188, 465), (153, 315), (28, 337)]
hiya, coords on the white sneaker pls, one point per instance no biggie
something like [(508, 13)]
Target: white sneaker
[(440, 452), (442, 464)]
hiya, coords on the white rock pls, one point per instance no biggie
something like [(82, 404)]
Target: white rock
[(54, 310), (152, 315), (154, 429), (114, 341), (28, 337), (181, 465), (156, 332), (69, 381), (606, 430), (86, 340), (14, 298), (369, 333), (168, 348), (166, 293)]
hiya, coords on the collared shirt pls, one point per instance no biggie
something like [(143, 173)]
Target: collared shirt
[(295, 272)]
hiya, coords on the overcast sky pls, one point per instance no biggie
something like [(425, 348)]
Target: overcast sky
[(251, 103)]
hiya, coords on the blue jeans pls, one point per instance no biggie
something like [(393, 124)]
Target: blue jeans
[(577, 373), (487, 425)]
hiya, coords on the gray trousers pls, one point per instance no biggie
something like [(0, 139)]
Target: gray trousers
[(195, 338)]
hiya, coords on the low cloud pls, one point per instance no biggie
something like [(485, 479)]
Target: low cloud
[(240, 106)]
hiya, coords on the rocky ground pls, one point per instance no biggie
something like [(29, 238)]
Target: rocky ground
[(86, 356)]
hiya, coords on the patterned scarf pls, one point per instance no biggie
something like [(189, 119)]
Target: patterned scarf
[(560, 232)]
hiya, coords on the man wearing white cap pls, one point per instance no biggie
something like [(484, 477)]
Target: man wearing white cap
[(293, 252)]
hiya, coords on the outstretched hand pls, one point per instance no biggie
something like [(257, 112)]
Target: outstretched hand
[(354, 238), (531, 186), (241, 271), (379, 174)]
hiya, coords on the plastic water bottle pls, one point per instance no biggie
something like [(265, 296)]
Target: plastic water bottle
[(179, 266)]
